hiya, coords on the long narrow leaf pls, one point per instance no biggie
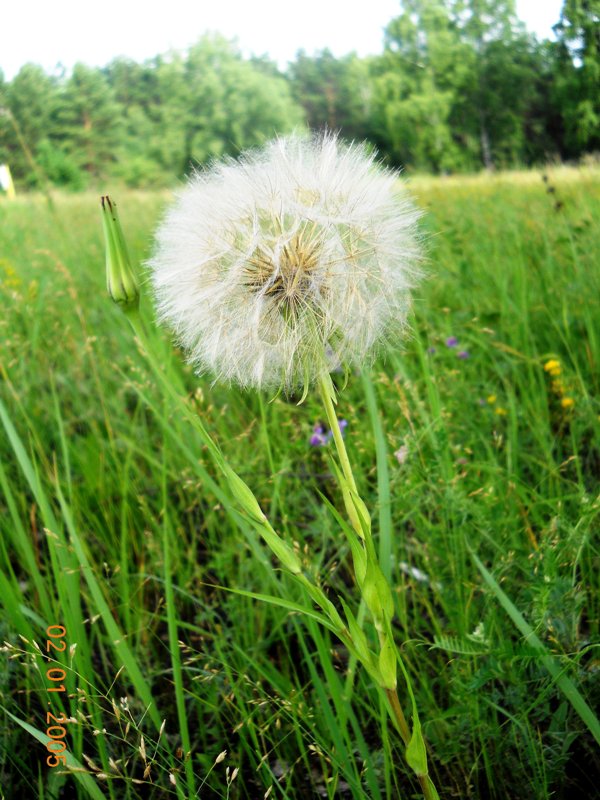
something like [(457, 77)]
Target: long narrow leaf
[(79, 771), (564, 683)]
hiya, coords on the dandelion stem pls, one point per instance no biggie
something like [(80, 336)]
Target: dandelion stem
[(427, 785), (398, 715), (327, 394)]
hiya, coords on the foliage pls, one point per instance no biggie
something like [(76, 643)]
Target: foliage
[(578, 74), (468, 446), (334, 93), (146, 124), (460, 85)]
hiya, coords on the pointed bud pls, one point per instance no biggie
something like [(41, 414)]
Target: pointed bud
[(121, 281), (376, 592), (246, 498), (416, 752), (387, 663)]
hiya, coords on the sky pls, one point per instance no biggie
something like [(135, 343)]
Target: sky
[(66, 31)]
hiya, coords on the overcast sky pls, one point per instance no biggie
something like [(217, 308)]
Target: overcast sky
[(49, 32)]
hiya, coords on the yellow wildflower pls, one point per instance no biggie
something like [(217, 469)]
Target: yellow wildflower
[(551, 365), (567, 402), (502, 412), (491, 399)]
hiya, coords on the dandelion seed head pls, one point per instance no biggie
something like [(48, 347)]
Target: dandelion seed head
[(291, 260)]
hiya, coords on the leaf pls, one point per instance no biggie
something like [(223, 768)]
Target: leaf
[(359, 557), (282, 603), (359, 639), (416, 754), (461, 646), (564, 683), (117, 638), (86, 780)]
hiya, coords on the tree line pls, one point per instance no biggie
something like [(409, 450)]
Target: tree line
[(459, 85)]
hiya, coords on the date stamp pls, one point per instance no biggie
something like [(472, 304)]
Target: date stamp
[(55, 676)]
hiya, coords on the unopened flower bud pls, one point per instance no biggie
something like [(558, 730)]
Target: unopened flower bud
[(121, 281), (376, 592), (387, 664)]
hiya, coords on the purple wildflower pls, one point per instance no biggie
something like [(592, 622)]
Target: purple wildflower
[(431, 350), (451, 341), (318, 439), (464, 354)]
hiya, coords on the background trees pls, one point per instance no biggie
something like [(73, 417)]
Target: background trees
[(460, 85), (577, 74)]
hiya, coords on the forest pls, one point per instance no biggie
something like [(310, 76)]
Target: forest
[(459, 86)]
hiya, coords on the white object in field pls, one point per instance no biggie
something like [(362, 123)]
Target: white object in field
[(288, 262), (6, 181)]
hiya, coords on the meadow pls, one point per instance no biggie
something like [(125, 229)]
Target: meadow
[(478, 448)]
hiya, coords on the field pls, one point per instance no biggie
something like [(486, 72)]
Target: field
[(479, 460)]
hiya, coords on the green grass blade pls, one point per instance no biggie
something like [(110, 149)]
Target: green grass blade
[(176, 657), (564, 683), (81, 774), (116, 636), (282, 602)]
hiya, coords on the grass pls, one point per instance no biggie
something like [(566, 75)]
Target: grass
[(115, 524)]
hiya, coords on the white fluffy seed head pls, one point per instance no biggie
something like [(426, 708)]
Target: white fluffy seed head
[(291, 260)]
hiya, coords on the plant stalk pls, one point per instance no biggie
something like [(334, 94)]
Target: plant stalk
[(326, 389)]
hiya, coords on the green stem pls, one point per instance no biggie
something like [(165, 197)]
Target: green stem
[(429, 790), (427, 785), (326, 387), (259, 522), (135, 320), (327, 394), (398, 715)]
